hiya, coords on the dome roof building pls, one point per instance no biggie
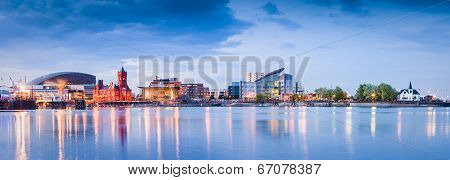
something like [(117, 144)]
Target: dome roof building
[(69, 78)]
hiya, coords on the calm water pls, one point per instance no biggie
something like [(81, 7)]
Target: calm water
[(227, 133)]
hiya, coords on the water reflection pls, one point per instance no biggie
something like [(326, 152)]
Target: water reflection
[(230, 124), (399, 125), (303, 131), (431, 122), (223, 133), (373, 121), (348, 130), (176, 119), (22, 132), (147, 129), (158, 131), (208, 130), (60, 124), (122, 126)]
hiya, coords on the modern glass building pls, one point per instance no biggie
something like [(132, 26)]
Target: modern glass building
[(269, 84), (234, 90), (275, 84), (285, 84)]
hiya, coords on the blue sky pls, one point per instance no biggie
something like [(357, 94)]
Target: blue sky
[(97, 37)]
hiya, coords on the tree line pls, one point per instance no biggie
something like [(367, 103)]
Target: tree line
[(370, 92), (335, 94), (365, 92)]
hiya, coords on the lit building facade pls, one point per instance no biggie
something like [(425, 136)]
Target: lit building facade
[(162, 90), (57, 87), (275, 85), (112, 92), (268, 85), (248, 91)]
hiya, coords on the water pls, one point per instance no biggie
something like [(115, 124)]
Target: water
[(226, 133)]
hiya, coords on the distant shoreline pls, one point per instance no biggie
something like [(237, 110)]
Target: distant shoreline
[(238, 105)]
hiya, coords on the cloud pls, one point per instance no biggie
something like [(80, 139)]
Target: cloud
[(44, 36), (271, 9), (363, 7), (286, 45), (414, 3), (348, 6), (432, 39), (200, 19), (284, 22)]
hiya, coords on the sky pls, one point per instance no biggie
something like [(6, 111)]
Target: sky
[(349, 42)]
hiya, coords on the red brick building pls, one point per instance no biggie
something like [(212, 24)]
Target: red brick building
[(113, 92), (195, 91)]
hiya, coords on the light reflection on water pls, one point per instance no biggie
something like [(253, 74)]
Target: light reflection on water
[(226, 133)]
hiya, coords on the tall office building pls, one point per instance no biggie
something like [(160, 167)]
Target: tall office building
[(285, 84), (252, 77)]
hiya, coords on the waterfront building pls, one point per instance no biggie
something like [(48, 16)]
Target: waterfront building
[(275, 85), (268, 85), (195, 91), (57, 87), (169, 82), (408, 95), (234, 91), (5, 94), (119, 92), (299, 89), (253, 76), (214, 93), (162, 90), (429, 98), (285, 84), (248, 91), (218, 94), (5, 90)]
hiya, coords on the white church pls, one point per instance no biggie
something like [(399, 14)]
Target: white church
[(409, 95)]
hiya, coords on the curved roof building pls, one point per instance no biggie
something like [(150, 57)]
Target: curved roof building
[(276, 72), (269, 84), (69, 78)]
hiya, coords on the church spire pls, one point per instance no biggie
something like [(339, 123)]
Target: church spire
[(410, 85)]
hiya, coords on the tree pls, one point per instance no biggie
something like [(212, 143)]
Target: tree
[(387, 92), (360, 93), (339, 94), (324, 93), (370, 92), (260, 98), (331, 94)]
